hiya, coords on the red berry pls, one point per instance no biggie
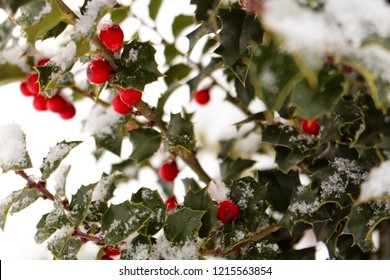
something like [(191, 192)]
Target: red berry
[(32, 84), (24, 89), (168, 171), (43, 62), (105, 257), (69, 112), (202, 97), (329, 59), (130, 97), (227, 211), (98, 71), (40, 103), (111, 36), (171, 203), (111, 251), (310, 127), (57, 103), (347, 69), (119, 106)]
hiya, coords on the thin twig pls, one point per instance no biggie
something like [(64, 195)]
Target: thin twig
[(40, 186)]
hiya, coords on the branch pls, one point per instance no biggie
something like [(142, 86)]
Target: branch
[(87, 237), (91, 95), (237, 249), (40, 186)]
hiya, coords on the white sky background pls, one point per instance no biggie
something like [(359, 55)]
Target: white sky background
[(44, 129)]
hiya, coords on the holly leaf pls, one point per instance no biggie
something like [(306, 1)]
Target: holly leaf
[(183, 225), (146, 142), (5, 205), (312, 102), (27, 197), (180, 23), (96, 211), (250, 197), (152, 200), (54, 157), (14, 5), (176, 73), (233, 236), (105, 188), (240, 34), (231, 169), (123, 219), (63, 246), (261, 250), (154, 7), (139, 247), (60, 178), (43, 231), (204, 8), (279, 187), (138, 66), (205, 72), (201, 200), (363, 219), (57, 218), (55, 31), (180, 133), (6, 29), (79, 205)]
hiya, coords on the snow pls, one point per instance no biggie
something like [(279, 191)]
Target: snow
[(14, 55), (163, 249), (101, 121), (86, 23), (377, 183), (101, 189), (12, 146), (219, 192), (55, 153), (60, 179), (133, 55), (303, 207), (65, 58), (341, 25), (5, 203)]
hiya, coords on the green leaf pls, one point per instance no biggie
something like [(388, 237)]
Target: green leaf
[(146, 142), (138, 66), (204, 8), (180, 23), (25, 199), (279, 187), (55, 31), (205, 72), (176, 73), (250, 197), (364, 218), (63, 246), (152, 200), (231, 169), (43, 231), (245, 92), (55, 156), (6, 29), (122, 220), (5, 205), (240, 35), (57, 218), (79, 205), (233, 236), (119, 14), (105, 188), (36, 23), (261, 250), (180, 133), (201, 200), (154, 7), (183, 225), (140, 247), (96, 211), (313, 102), (191, 183), (274, 75), (60, 178)]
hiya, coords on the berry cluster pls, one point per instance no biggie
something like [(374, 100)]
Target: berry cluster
[(99, 70), (57, 103)]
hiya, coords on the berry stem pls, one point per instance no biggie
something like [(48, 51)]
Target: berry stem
[(88, 237), (188, 157)]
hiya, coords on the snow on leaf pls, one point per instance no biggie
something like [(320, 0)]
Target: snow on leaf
[(105, 188), (60, 179), (166, 250), (25, 199), (377, 183), (55, 156), (78, 207), (5, 205), (13, 154)]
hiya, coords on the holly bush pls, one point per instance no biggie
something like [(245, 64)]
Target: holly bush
[(319, 69)]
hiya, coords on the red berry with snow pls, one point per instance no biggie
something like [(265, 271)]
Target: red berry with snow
[(24, 89), (119, 106), (40, 103), (57, 103), (171, 203), (202, 97), (310, 127), (69, 112), (98, 71), (111, 36), (168, 171), (32, 84), (227, 211), (111, 251), (130, 97)]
